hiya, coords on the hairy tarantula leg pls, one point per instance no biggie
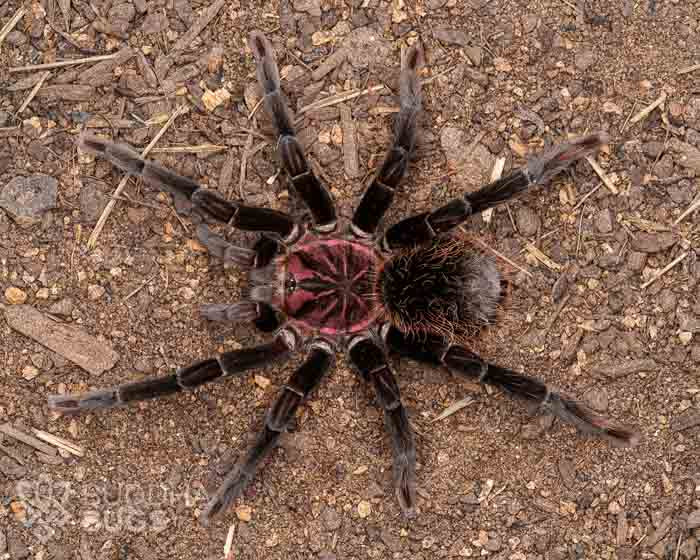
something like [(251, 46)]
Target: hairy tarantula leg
[(437, 351), (296, 391), (423, 227), (247, 218), (371, 362), (218, 247), (380, 193), (265, 317), (187, 378), (314, 194)]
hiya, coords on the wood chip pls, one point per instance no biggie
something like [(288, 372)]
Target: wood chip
[(212, 99), (61, 443), (330, 64), (102, 74), (689, 419), (12, 453), (544, 259), (619, 369), (226, 174), (69, 341), (204, 19), (660, 532), (622, 528), (67, 92), (10, 431), (567, 471), (28, 82), (647, 110), (350, 157)]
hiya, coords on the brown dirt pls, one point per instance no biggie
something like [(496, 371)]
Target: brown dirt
[(546, 69)]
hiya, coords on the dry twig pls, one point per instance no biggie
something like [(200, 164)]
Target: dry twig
[(664, 270), (496, 173), (603, 177), (692, 208), (454, 407), (92, 241), (499, 255), (649, 108), (32, 93), (10, 25), (198, 149), (339, 98), (61, 443), (62, 63), (689, 69), (9, 430), (544, 259)]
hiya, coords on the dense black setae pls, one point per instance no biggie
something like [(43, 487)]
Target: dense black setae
[(448, 288), (419, 290)]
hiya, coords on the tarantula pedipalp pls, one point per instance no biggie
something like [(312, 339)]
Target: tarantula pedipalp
[(417, 290)]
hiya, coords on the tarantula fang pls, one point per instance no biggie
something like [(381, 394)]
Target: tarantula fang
[(417, 290)]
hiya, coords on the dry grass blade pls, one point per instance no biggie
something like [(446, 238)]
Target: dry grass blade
[(92, 241), (649, 108), (454, 407), (665, 269), (62, 63), (500, 255), (228, 545), (339, 98), (14, 433), (496, 174), (61, 443), (689, 69), (199, 149), (544, 259), (603, 177), (692, 208), (10, 25), (33, 93)]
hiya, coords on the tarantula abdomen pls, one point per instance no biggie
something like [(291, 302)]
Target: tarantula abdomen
[(449, 288)]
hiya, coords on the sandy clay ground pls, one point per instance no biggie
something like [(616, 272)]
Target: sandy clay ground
[(504, 77)]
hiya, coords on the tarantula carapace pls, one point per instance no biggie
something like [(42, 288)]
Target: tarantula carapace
[(418, 290)]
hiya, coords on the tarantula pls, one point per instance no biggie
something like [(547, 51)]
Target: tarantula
[(418, 290)]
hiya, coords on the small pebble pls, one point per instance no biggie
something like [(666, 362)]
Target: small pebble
[(244, 513), (29, 372), (15, 296), (95, 292), (364, 508)]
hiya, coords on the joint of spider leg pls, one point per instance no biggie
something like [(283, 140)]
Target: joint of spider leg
[(295, 235), (355, 340), (326, 228), (545, 401), (322, 344), (289, 336)]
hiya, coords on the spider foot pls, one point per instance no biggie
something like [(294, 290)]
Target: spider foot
[(300, 385), (219, 247), (80, 402)]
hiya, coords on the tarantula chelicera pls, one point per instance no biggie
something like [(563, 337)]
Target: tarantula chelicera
[(419, 290)]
